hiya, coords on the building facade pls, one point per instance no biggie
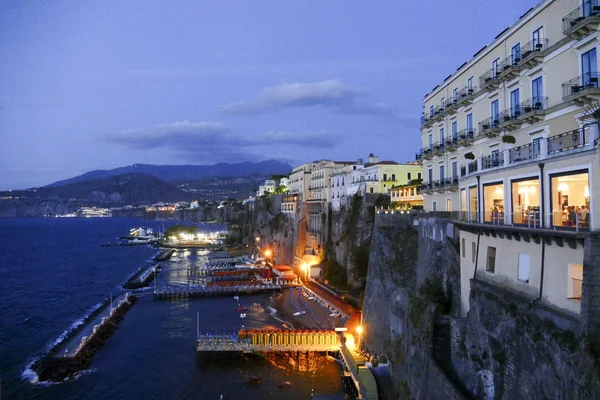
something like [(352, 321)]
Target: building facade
[(509, 140), (299, 180), (268, 187), (406, 197), (372, 177)]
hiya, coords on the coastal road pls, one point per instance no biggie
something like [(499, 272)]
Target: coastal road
[(315, 317)]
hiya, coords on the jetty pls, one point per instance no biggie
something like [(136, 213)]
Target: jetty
[(142, 277), (164, 255), (75, 352)]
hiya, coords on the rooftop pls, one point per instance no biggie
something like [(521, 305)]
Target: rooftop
[(282, 267), (489, 47)]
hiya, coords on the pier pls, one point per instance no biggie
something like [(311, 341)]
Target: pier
[(182, 292), (164, 255), (75, 352), (270, 340), (279, 341)]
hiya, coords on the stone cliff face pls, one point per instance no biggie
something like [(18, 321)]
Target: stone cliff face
[(506, 348), (274, 229), (350, 239), (406, 292)]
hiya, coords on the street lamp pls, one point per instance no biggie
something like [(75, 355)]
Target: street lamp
[(268, 254), (359, 330)]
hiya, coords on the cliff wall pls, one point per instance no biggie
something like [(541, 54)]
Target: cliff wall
[(506, 348)]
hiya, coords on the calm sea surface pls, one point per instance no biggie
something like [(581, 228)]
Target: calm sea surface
[(53, 271)]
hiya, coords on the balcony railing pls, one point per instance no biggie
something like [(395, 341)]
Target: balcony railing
[(510, 118), (581, 86), (463, 171), (489, 79), (427, 152), (510, 66), (465, 135), (489, 125), (451, 105), (492, 161), (570, 140), (426, 120), (533, 106), (466, 95), (525, 152), (419, 156), (579, 18), (451, 142), (472, 167), (439, 113), (531, 50)]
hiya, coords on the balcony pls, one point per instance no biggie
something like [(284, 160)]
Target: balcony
[(465, 136), (427, 152), (449, 183), (582, 21), (526, 152), (466, 96), (492, 161), (489, 81), (509, 119), (490, 127), (510, 67), (451, 143), (472, 167), (439, 114), (426, 121), (419, 156), (533, 110), (439, 148), (451, 106), (583, 89), (532, 53), (427, 187), (570, 140)]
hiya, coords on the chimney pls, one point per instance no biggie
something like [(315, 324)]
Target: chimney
[(373, 159)]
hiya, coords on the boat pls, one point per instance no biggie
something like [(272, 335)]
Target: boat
[(299, 313), (106, 244)]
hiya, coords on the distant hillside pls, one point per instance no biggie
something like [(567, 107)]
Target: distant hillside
[(218, 188), (182, 173), (132, 188)]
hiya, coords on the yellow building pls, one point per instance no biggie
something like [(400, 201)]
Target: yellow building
[(509, 143), (406, 197)]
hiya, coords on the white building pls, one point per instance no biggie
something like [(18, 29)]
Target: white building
[(269, 186)]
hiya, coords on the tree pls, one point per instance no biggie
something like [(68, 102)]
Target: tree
[(281, 189)]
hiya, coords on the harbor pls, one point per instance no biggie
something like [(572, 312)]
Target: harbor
[(265, 297)]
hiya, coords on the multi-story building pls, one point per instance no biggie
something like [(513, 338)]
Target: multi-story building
[(340, 184), (372, 177), (289, 204), (510, 141), (285, 181), (407, 196), (268, 187), (300, 180)]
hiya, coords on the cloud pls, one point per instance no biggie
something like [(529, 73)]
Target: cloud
[(213, 140), (332, 94)]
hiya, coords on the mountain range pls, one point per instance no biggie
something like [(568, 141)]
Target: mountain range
[(185, 173)]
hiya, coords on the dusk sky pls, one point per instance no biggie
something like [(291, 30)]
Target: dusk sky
[(99, 84)]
